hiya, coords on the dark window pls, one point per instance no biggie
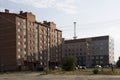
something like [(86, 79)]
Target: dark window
[(80, 49), (69, 50)]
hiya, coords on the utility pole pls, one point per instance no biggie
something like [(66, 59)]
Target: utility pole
[(74, 30)]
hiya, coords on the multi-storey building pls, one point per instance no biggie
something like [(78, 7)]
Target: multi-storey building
[(26, 43), (90, 51)]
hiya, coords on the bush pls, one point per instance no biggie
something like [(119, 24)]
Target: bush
[(39, 69), (95, 71), (69, 63), (118, 63), (107, 72)]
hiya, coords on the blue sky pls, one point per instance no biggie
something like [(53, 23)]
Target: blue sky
[(93, 17)]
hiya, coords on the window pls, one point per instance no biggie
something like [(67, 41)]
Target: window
[(56, 50), (101, 57), (80, 53), (32, 23), (24, 33), (18, 36), (69, 50), (40, 46), (41, 63), (97, 57), (24, 52), (44, 42), (32, 60), (65, 54), (24, 23), (24, 46), (45, 63), (19, 30), (41, 57), (25, 57), (101, 48), (45, 52), (40, 52), (41, 41), (19, 56), (101, 43), (19, 49), (25, 30), (101, 62), (40, 36), (19, 23), (32, 30), (29, 23), (73, 50), (80, 49), (18, 62), (92, 57), (97, 62), (24, 39), (19, 43), (37, 27), (44, 37), (56, 59)]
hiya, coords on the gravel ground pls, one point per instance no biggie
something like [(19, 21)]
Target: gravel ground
[(38, 76)]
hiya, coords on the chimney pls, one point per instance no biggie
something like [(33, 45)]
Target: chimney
[(6, 11), (21, 12), (44, 22)]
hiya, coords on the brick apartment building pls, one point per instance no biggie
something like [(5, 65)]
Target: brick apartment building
[(90, 51), (26, 43)]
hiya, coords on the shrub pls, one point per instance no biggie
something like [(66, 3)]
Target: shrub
[(39, 69), (95, 71), (69, 63), (118, 63)]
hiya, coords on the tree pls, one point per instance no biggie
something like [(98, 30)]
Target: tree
[(69, 63), (118, 63)]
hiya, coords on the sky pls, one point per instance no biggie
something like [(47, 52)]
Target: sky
[(92, 17)]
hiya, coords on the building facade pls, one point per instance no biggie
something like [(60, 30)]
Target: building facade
[(90, 51), (26, 43)]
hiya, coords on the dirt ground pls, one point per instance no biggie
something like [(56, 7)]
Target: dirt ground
[(39, 76)]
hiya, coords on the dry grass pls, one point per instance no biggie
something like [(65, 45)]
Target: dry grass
[(58, 75), (76, 72), (84, 72)]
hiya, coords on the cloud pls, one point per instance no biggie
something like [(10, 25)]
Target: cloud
[(1, 8), (67, 6)]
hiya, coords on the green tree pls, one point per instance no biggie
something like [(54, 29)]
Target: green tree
[(69, 63), (118, 63)]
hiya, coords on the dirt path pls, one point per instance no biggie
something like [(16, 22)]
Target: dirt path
[(38, 76)]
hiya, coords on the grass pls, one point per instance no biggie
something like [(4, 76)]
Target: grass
[(17, 72), (75, 72), (109, 72), (84, 72)]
